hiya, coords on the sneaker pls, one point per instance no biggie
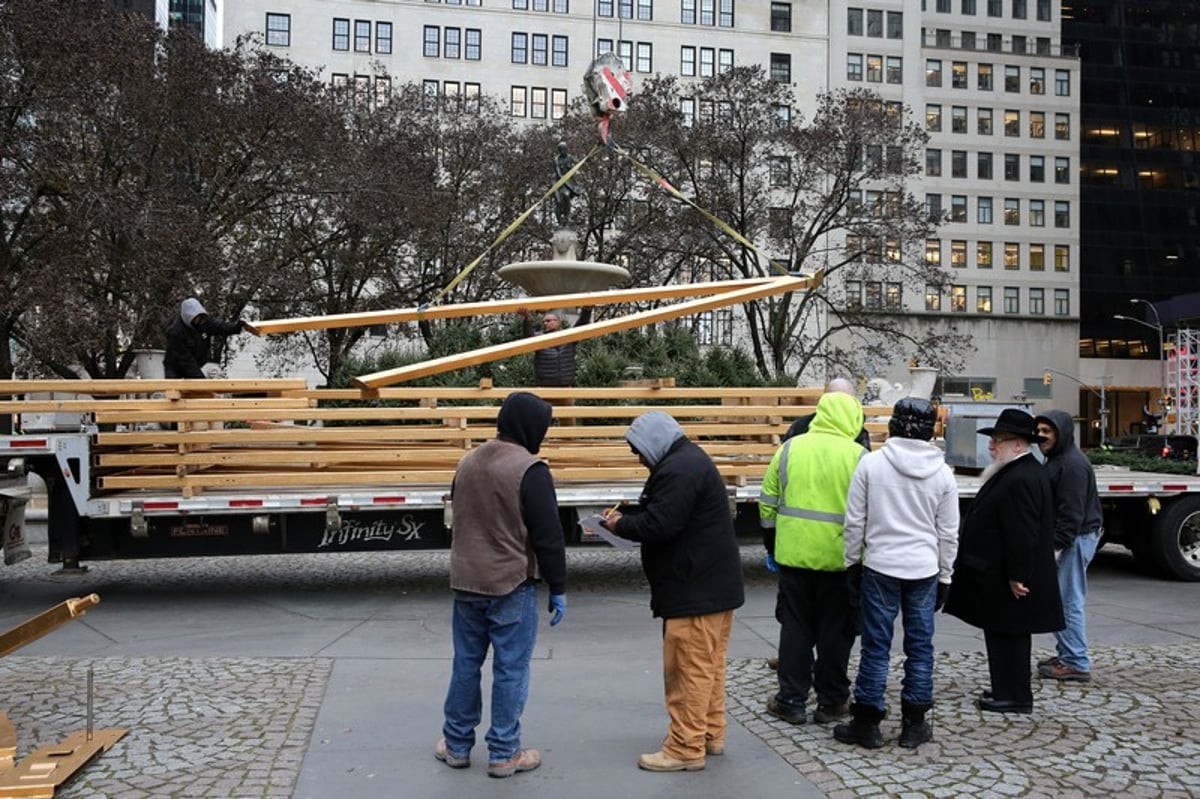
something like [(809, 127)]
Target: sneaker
[(1050, 661), (661, 761), (523, 760), (827, 713), (714, 747), (1061, 671), (443, 753), (780, 712)]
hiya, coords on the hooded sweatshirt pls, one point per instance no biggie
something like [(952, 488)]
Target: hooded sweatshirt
[(506, 525), (1073, 480), (902, 512), (190, 347)]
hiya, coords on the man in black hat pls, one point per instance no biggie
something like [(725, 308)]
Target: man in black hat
[(1005, 581)]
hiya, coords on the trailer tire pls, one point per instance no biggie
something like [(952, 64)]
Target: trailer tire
[(1177, 539)]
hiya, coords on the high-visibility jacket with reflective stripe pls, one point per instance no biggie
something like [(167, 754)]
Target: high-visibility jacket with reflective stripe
[(804, 499)]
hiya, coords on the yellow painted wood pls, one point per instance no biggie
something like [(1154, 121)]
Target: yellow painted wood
[(48, 767), (114, 387)]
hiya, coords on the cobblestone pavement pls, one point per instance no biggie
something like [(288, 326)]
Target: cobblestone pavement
[(1131, 732), (222, 727)]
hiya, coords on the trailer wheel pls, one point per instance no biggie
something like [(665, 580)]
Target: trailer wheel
[(1177, 539)]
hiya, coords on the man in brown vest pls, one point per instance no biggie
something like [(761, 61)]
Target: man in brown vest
[(506, 534)]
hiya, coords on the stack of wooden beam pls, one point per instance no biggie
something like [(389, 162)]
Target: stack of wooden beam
[(192, 435)]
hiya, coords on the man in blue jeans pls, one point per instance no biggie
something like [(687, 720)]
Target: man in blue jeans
[(901, 538), (506, 534), (1078, 521)]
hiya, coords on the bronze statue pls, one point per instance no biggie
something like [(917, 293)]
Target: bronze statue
[(562, 198)]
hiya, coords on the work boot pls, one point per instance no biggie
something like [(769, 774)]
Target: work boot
[(523, 760), (863, 728), (661, 761), (827, 713), (914, 729)]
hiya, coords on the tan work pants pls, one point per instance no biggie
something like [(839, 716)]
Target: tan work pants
[(694, 678)]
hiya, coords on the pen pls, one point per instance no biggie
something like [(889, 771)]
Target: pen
[(613, 509)]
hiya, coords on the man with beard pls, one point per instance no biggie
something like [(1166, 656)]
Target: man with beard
[(1005, 581)]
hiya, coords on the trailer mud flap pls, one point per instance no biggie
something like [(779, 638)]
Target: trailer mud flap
[(16, 546)]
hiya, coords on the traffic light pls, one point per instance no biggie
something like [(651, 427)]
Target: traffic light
[(1047, 378)]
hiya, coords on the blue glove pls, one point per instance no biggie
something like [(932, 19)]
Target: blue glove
[(558, 606), (771, 565)]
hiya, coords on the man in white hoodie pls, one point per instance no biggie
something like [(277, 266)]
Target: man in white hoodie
[(901, 537)]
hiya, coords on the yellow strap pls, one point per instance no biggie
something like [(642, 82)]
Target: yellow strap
[(516, 223), (676, 193)]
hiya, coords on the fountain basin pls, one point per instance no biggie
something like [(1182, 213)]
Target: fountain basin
[(542, 278)]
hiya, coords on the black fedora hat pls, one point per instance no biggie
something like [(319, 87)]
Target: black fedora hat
[(1017, 422)]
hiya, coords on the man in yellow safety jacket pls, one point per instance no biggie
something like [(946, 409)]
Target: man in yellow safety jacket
[(801, 512)]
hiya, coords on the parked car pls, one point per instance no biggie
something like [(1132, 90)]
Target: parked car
[(1173, 447)]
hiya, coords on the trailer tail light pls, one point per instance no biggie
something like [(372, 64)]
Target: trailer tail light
[(161, 506), (322, 501), (28, 443), (388, 500), (245, 503), (1175, 487), (1120, 488)]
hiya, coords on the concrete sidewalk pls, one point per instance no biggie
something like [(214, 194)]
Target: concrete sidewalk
[(322, 677)]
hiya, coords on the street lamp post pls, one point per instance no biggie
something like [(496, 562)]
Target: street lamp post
[(1162, 360), (1103, 397)]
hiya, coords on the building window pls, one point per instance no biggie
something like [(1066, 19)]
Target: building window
[(1062, 213), (1019, 9), (874, 23), (520, 48), (958, 119), (779, 172), (1012, 166), (983, 299), (383, 91), (687, 110), (958, 163), (933, 253), (874, 297), (430, 89), (1043, 10), (1012, 122), (1037, 80), (1012, 211), (558, 103), (625, 9), (1037, 213), (983, 77), (854, 294), (1062, 258), (893, 295), (933, 117), (516, 101), (725, 17), (1062, 83), (560, 6), (983, 214), (539, 54), (558, 55), (943, 6), (604, 8), (895, 24), (433, 41), (471, 95), (1062, 302), (383, 38), (983, 124), (984, 166), (706, 62), (279, 30), (994, 8), (1012, 255), (362, 36), (933, 208), (958, 254), (1037, 169), (781, 17), (875, 69), (895, 69), (968, 40), (452, 43), (341, 35), (1037, 301), (958, 299), (854, 21), (645, 10), (1012, 299), (995, 43), (933, 72), (983, 255), (933, 297), (537, 103), (687, 61), (781, 67), (958, 74), (1037, 257), (968, 7), (854, 66), (1012, 79), (958, 208), (1062, 127), (1037, 124), (645, 57), (1062, 170)]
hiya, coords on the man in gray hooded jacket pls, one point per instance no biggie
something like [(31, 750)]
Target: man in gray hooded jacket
[(189, 340), (1078, 521), (691, 559)]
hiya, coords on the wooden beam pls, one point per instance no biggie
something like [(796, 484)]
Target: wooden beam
[(110, 387), (363, 318), (779, 285)]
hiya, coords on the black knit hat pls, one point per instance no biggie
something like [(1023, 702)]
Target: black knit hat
[(913, 417)]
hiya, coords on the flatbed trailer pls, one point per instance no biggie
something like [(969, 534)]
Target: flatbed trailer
[(391, 503)]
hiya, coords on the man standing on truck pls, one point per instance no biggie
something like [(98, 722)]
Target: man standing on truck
[(801, 510), (189, 340), (1078, 521), (506, 534), (554, 367), (690, 556)]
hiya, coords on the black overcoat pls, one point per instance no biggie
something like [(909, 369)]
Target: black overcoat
[(1008, 534)]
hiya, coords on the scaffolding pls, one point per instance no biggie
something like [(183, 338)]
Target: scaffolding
[(1183, 382)]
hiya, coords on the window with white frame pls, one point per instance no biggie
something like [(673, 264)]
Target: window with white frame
[(1062, 302), (341, 34), (558, 103), (895, 69), (383, 38), (520, 48), (1062, 82), (1012, 299), (452, 43), (362, 36), (558, 56), (983, 299), (537, 102), (724, 61), (279, 30), (687, 61), (983, 213), (517, 101), (1037, 301), (645, 57), (854, 66), (933, 297)]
